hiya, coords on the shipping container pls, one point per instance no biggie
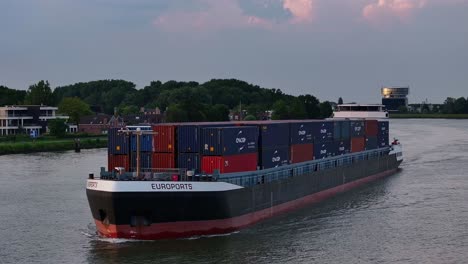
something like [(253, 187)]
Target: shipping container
[(223, 141), (163, 160), (372, 127), (164, 140), (146, 159), (274, 157), (324, 150), (188, 135), (358, 144), (302, 153), (342, 147), (301, 133), (357, 128), (118, 143), (341, 130), (383, 127), (371, 142), (323, 131), (114, 161), (146, 142), (274, 134), (383, 141), (189, 161), (228, 164), (188, 138)]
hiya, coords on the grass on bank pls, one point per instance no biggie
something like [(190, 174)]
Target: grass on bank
[(21, 145), (441, 116)]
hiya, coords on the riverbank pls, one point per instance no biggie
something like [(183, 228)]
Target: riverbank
[(50, 144), (434, 116)]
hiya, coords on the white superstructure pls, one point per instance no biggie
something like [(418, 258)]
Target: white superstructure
[(370, 111)]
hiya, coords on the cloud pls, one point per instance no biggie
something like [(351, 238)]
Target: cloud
[(221, 14), (302, 10), (385, 10)]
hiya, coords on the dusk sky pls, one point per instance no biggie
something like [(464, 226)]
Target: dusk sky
[(328, 48)]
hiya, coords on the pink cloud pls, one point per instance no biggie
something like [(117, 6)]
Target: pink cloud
[(302, 10), (383, 12), (221, 14)]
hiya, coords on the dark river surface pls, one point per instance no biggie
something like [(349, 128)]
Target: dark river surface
[(419, 215)]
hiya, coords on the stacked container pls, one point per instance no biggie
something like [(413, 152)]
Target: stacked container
[(383, 134), (145, 142), (229, 149), (164, 141), (357, 133), (302, 139), (273, 144), (118, 149), (371, 134), (324, 133), (341, 137)]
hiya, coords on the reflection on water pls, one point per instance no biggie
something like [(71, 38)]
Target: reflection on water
[(418, 215)]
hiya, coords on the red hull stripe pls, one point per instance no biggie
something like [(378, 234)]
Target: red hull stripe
[(209, 227)]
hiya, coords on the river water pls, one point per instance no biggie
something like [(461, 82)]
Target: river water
[(419, 215)]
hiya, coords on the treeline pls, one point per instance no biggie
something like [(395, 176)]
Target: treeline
[(455, 106), (182, 101)]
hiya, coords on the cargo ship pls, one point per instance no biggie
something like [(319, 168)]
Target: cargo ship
[(191, 179)]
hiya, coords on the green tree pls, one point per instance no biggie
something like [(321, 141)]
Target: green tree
[(325, 109), (176, 114), (128, 110), (39, 94), (75, 108), (57, 127), (250, 118), (11, 96), (311, 104), (402, 109), (280, 111), (340, 100)]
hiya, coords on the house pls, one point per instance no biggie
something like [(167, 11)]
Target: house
[(17, 119), (94, 124)]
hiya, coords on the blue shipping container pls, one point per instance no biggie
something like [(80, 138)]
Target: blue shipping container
[(337, 130), (383, 127), (342, 147), (275, 134), (357, 128), (323, 131), (383, 141), (225, 141), (188, 135), (145, 160), (146, 142), (188, 138), (301, 133), (118, 143), (371, 142), (274, 157), (189, 161), (324, 150)]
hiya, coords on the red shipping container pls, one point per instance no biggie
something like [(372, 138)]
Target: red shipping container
[(358, 144), (163, 160), (164, 140), (372, 127), (302, 152), (227, 164), (118, 161)]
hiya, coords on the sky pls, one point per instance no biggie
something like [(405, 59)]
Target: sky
[(328, 48)]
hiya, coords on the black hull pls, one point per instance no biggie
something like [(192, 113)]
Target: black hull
[(153, 215)]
